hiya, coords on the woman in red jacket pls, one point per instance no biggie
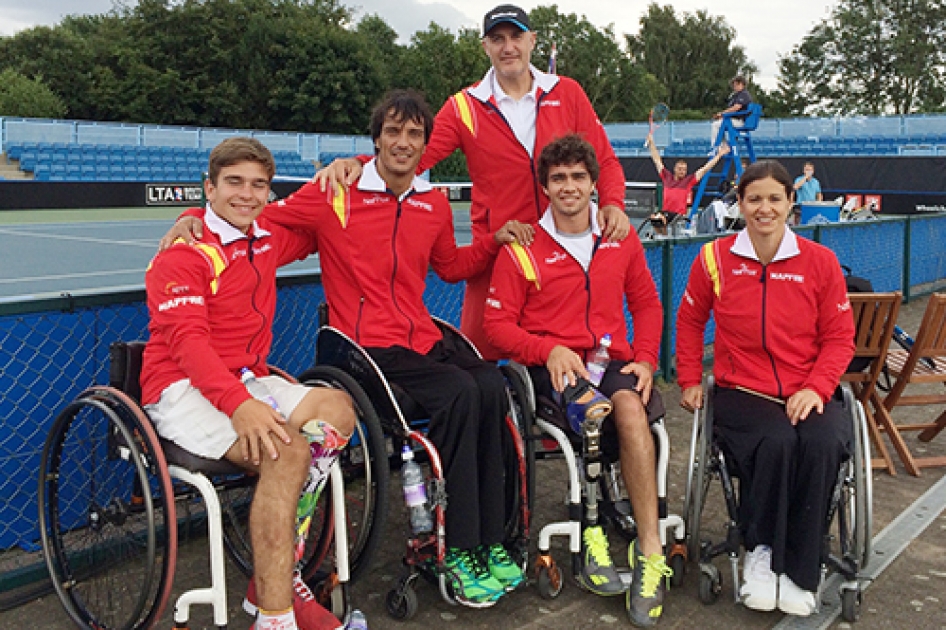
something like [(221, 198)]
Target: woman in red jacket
[(784, 336)]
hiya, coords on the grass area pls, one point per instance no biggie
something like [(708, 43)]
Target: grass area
[(82, 215)]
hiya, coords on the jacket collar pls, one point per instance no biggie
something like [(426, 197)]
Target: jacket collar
[(541, 82), (370, 181), (226, 232), (788, 248), (547, 222)]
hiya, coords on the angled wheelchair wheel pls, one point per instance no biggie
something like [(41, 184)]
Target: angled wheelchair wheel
[(698, 474), (518, 458), (856, 490), (106, 513), (236, 495), (364, 465)]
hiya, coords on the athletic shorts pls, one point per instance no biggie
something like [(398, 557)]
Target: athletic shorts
[(185, 417)]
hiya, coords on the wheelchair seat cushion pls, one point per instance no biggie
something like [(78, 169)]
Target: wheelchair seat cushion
[(195, 463)]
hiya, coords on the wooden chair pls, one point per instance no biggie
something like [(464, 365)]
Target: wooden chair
[(925, 363), (875, 315)]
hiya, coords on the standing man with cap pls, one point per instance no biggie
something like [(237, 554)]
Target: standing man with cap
[(502, 124)]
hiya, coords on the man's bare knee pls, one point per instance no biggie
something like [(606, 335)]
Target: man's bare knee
[(324, 403), (630, 416)]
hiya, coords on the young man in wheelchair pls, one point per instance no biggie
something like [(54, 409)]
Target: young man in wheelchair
[(548, 307), (376, 242), (211, 304)]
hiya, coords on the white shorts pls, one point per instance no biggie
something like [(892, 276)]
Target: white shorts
[(185, 417)]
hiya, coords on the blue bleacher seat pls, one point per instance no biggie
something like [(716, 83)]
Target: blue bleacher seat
[(28, 161), (57, 168)]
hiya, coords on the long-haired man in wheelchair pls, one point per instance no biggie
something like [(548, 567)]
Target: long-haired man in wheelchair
[(211, 304), (548, 307), (784, 336)]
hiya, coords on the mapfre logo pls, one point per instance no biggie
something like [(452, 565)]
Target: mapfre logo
[(788, 277), (423, 205), (550, 104), (370, 201), (744, 270), (610, 245)]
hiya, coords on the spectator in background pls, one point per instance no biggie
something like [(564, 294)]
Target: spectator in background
[(677, 185), (807, 187), (738, 101)]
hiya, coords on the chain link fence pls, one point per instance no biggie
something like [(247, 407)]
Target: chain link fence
[(52, 349)]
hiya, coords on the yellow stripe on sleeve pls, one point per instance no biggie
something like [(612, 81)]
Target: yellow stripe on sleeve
[(465, 111), (709, 255), (526, 264), (216, 259), (340, 205)]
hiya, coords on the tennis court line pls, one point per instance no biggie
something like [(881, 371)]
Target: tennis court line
[(63, 276), (85, 239)]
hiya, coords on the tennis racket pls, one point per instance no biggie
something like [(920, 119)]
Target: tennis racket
[(659, 114)]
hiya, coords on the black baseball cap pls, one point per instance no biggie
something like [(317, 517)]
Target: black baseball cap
[(506, 13)]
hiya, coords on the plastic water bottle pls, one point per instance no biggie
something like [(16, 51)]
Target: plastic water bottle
[(415, 493), (357, 621), (599, 361), (257, 390)]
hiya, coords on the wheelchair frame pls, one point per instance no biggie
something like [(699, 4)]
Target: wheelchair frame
[(851, 507), (599, 473), (425, 554), (108, 512)]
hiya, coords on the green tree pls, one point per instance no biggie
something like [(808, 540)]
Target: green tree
[(22, 96), (618, 88), (870, 57), (692, 56), (439, 63)]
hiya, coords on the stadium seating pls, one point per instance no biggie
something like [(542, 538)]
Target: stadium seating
[(85, 162)]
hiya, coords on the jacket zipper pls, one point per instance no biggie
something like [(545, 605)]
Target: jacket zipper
[(410, 322), (765, 299), (249, 257)]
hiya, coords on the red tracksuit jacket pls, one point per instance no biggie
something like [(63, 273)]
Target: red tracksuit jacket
[(211, 306), (541, 297), (375, 250), (780, 327)]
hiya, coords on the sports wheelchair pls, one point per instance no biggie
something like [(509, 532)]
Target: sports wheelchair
[(401, 422), (847, 544), (596, 469), (114, 500)]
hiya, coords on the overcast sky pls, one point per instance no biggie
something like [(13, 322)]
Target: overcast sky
[(766, 30)]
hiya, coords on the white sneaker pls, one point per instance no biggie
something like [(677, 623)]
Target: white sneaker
[(759, 587), (792, 599)]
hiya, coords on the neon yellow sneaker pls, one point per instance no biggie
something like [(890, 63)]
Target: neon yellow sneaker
[(598, 574), (650, 576)]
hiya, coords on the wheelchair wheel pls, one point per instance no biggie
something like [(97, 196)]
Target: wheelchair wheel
[(698, 475), (106, 513), (857, 490), (518, 457), (364, 465), (236, 496)]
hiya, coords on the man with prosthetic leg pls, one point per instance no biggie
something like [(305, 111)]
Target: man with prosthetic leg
[(211, 303), (550, 305)]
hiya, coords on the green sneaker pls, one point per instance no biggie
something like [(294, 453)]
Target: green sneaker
[(502, 567), (650, 576), (598, 574), (473, 585)]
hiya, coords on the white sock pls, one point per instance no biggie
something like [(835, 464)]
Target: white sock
[(276, 620)]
